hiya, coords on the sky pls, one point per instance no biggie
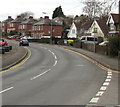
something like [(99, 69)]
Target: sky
[(16, 7)]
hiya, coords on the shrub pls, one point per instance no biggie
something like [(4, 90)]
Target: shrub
[(114, 45)]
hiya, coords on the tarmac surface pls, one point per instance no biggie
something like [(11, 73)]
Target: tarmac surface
[(111, 96)]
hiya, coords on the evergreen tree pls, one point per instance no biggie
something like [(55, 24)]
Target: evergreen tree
[(58, 12)]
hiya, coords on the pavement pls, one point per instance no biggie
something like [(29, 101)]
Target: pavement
[(110, 96), (13, 57)]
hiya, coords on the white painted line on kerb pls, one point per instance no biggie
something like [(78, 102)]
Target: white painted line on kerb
[(6, 90), (40, 74)]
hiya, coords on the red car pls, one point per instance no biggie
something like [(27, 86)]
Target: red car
[(3, 42)]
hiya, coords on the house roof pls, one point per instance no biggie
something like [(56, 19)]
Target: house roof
[(19, 19), (78, 25), (9, 19), (47, 22), (103, 26), (30, 20), (87, 25), (115, 17)]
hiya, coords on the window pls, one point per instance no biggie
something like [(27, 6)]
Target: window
[(111, 26), (3, 24), (23, 26), (95, 30), (91, 39), (39, 28), (73, 31)]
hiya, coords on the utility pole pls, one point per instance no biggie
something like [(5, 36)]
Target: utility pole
[(0, 29)]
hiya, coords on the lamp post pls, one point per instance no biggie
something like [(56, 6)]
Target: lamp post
[(94, 27)]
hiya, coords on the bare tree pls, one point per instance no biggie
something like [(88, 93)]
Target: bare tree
[(26, 14), (98, 8)]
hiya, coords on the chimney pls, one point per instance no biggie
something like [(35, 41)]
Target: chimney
[(18, 16), (46, 17), (9, 17), (30, 17)]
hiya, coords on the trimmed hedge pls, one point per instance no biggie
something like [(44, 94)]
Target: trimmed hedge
[(114, 45)]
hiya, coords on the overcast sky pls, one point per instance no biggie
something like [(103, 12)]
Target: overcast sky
[(15, 7)]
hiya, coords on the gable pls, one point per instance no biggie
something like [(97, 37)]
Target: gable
[(99, 32), (73, 31)]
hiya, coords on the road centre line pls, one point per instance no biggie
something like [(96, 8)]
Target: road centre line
[(55, 63), (40, 74), (6, 90)]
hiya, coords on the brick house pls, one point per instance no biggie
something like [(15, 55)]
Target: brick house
[(14, 24), (46, 28), (25, 27), (6, 23), (113, 23)]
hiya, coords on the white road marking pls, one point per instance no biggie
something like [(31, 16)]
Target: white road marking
[(108, 80), (103, 88), (109, 74), (100, 93), (55, 63), (6, 90), (94, 100), (55, 57), (106, 83), (109, 77), (40, 74), (80, 65), (50, 51)]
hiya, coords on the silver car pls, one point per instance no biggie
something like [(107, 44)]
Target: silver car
[(24, 42)]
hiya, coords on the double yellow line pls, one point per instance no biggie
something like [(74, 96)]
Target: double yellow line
[(93, 61), (19, 64)]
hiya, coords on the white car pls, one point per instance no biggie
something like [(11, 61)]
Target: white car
[(26, 37), (104, 43)]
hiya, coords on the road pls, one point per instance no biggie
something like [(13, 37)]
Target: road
[(52, 76)]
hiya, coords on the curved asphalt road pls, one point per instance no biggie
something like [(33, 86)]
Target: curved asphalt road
[(52, 76)]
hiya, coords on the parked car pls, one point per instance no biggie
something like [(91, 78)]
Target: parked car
[(3, 42), (24, 42), (14, 37), (104, 43), (4, 47), (91, 39), (26, 37)]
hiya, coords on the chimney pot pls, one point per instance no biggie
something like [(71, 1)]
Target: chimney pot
[(31, 17), (46, 17), (9, 17), (18, 16)]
